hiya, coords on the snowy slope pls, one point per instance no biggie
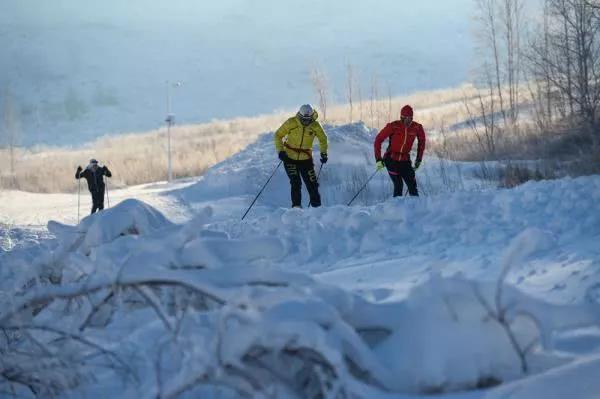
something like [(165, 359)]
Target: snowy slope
[(236, 181), (393, 298)]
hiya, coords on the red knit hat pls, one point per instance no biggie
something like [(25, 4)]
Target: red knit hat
[(406, 111)]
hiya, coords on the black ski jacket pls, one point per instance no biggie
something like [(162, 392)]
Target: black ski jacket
[(95, 181)]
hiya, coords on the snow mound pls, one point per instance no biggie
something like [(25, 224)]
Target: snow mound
[(129, 217), (245, 172), (206, 307), (350, 164)]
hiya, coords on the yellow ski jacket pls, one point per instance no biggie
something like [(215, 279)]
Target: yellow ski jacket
[(299, 139)]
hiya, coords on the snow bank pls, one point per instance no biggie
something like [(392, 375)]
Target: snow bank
[(575, 380), (214, 304), (129, 217), (407, 296), (464, 232), (350, 164)]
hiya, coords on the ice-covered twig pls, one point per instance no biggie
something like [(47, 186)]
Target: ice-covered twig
[(95, 310), (77, 338), (154, 303)]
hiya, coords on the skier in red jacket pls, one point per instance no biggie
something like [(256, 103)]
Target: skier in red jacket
[(396, 159)]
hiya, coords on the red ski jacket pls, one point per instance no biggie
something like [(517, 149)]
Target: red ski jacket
[(401, 141)]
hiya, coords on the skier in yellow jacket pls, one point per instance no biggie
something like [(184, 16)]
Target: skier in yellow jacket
[(296, 153)]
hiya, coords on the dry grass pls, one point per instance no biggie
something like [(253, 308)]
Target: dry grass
[(526, 152), (137, 158), (564, 141), (432, 108)]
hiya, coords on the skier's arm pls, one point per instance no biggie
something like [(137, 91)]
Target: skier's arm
[(320, 133), (384, 134), (107, 172), (421, 145), (79, 174), (280, 134)]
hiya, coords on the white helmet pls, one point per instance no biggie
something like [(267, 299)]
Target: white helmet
[(305, 113)]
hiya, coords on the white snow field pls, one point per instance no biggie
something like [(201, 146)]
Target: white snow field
[(467, 292)]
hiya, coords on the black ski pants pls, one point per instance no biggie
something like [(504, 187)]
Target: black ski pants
[(97, 199), (402, 171), (299, 171)]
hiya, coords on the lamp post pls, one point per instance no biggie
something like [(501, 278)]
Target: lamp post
[(170, 119)]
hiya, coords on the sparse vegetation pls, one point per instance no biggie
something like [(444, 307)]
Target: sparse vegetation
[(554, 124), (9, 134), (138, 158)]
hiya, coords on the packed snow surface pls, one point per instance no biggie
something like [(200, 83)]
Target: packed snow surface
[(466, 292)]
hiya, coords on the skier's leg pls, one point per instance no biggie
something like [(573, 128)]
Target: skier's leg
[(307, 171), (94, 202), (408, 174), (101, 200), (394, 173), (291, 169)]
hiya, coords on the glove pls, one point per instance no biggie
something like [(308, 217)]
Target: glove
[(323, 157), (379, 165), (79, 168), (283, 156), (417, 164)]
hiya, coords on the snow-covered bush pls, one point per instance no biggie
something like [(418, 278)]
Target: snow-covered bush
[(146, 308)]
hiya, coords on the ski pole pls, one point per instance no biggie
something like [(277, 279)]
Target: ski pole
[(363, 187), (262, 189), (78, 196), (318, 175)]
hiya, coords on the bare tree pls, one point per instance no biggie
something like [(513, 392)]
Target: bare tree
[(570, 60), (10, 128), (319, 81), (539, 82), (360, 102), (373, 101), (389, 110), (511, 22), (487, 10), (500, 28), (350, 87), (482, 120)]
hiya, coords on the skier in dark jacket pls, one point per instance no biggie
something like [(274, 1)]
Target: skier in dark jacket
[(94, 174)]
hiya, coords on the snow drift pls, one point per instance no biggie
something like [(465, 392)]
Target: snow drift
[(153, 309)]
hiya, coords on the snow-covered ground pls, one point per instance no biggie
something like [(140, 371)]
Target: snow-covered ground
[(466, 292)]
